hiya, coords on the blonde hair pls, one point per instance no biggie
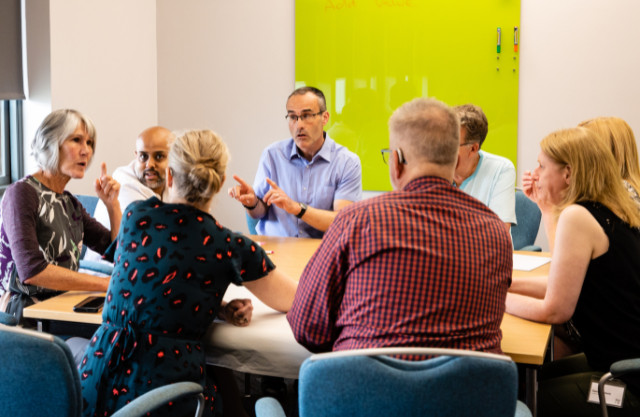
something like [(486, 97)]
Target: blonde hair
[(594, 173), (198, 161), (619, 137)]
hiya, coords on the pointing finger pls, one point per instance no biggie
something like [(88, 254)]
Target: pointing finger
[(240, 181), (272, 184)]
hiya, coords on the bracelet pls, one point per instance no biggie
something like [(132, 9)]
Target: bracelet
[(252, 207)]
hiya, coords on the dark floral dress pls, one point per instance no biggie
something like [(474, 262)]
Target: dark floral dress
[(173, 264)]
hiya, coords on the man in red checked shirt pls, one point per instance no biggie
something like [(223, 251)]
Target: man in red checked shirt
[(423, 265)]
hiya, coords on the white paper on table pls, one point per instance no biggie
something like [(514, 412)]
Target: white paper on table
[(528, 262)]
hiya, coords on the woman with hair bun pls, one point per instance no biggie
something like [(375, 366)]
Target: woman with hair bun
[(173, 264)]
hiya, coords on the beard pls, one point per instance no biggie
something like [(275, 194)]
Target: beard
[(154, 184)]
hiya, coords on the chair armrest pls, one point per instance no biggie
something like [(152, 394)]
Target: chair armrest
[(160, 396), (624, 367), (522, 410), (269, 407), (8, 319), (531, 248)]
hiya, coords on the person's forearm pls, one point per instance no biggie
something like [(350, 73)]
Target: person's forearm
[(532, 286), (533, 309), (259, 211), (276, 290), (115, 216), (63, 279), (318, 219)]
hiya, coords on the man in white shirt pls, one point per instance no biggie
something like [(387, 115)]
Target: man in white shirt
[(489, 178), (142, 178)]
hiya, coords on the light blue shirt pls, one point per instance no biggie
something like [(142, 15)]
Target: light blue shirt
[(334, 173), (493, 182)]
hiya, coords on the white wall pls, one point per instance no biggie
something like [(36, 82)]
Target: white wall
[(100, 57), (578, 60), (227, 66)]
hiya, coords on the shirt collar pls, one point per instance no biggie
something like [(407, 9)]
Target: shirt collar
[(427, 181)]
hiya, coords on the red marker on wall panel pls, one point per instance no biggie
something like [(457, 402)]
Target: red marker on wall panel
[(516, 35)]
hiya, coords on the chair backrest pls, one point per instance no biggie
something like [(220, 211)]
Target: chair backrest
[(251, 224), (363, 383), (38, 376), (8, 319), (89, 202), (528, 216)]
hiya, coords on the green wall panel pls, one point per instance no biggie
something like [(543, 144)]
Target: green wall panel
[(369, 57)]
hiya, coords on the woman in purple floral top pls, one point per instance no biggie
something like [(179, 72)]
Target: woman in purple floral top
[(43, 227)]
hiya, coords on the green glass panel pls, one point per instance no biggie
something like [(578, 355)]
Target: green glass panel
[(369, 57)]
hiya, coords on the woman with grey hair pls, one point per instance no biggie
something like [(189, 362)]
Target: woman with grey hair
[(43, 227)]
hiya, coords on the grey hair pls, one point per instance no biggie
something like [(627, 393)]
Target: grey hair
[(53, 131), (198, 162), (428, 128)]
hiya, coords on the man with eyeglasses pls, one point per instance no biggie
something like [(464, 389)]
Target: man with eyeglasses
[(423, 265), (489, 178), (143, 177), (304, 181)]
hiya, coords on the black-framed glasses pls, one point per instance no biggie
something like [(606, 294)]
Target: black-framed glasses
[(467, 144), (305, 117), (388, 151)]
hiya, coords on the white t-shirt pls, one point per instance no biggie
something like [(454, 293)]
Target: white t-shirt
[(493, 182), (131, 189)]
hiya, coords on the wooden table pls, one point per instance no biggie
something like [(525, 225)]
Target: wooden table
[(523, 340), (267, 345)]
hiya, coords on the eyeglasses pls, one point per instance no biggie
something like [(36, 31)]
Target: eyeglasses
[(467, 144), (387, 151), (292, 118)]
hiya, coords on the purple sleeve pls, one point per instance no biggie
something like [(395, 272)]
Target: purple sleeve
[(20, 214)]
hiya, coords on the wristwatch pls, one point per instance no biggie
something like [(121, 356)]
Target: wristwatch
[(303, 209)]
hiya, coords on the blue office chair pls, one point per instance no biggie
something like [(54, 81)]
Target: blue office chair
[(618, 369), (528, 216), (251, 224), (90, 202), (39, 378), (8, 319), (369, 383)]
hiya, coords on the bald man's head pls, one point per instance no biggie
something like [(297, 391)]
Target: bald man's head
[(152, 151)]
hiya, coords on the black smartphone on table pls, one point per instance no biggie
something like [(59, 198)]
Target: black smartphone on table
[(91, 304)]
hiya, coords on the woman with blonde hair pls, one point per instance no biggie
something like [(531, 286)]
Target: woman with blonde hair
[(173, 264), (619, 137), (594, 278)]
